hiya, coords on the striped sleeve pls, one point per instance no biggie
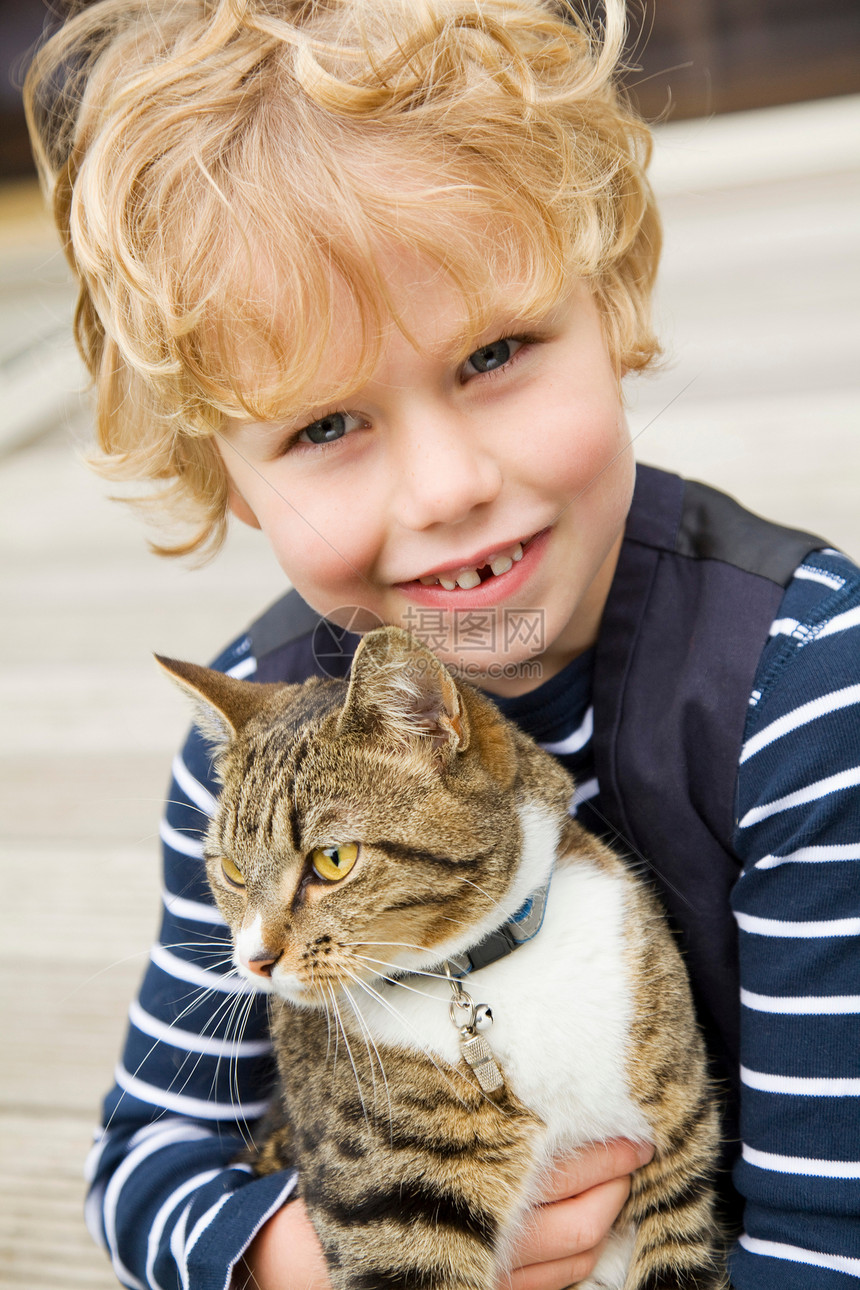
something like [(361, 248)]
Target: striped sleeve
[(797, 906), (166, 1199)]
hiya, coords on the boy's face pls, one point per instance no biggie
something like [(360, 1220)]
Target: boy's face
[(514, 458)]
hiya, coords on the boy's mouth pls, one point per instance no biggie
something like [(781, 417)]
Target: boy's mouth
[(492, 565)]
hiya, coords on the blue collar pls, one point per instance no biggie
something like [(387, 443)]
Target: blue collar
[(519, 928)]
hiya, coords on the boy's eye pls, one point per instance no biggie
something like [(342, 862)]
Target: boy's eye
[(329, 428), (490, 357)]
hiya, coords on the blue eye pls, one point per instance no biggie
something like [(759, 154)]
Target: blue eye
[(327, 429), (489, 358)]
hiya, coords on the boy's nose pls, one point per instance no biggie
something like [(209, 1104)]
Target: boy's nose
[(445, 475)]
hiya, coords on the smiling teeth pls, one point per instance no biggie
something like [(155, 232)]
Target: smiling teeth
[(466, 579)]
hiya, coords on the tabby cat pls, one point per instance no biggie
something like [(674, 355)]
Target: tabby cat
[(369, 838)]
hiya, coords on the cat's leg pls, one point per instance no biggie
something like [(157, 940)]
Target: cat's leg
[(412, 1181), (272, 1148), (677, 1245), (672, 1203), (420, 1198)]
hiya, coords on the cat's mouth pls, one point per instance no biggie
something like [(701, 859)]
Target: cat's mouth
[(489, 565)]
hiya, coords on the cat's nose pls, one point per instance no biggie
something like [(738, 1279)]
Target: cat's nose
[(261, 964)]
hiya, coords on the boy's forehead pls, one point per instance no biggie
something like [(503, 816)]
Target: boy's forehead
[(419, 304), (419, 310)]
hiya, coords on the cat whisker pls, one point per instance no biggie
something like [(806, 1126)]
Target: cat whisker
[(241, 1011), (401, 985), (355, 946), (449, 918), (199, 944), (203, 952), (398, 981), (400, 967), (171, 801), (336, 1034), (229, 1006), (342, 1028), (198, 997), (364, 1035), (362, 1021), (491, 899), (101, 971), (327, 1020), (398, 1016), (406, 945)]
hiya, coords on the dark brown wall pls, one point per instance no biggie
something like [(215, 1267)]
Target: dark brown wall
[(20, 26), (695, 57), (704, 56)]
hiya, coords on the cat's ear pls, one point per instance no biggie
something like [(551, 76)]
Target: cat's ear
[(222, 705), (399, 686)]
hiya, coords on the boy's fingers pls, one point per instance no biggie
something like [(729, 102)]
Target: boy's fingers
[(558, 1275), (595, 1164), (571, 1227)]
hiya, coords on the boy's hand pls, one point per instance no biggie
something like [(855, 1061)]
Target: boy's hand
[(564, 1238), (560, 1246), (284, 1255)]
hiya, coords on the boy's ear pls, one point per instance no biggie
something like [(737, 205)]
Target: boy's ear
[(222, 705), (399, 687), (237, 506)]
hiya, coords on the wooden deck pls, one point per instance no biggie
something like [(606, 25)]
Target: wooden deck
[(758, 298)]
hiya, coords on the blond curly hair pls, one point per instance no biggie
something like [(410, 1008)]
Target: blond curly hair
[(220, 170)]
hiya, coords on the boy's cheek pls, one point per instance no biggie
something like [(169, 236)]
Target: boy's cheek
[(328, 574), (238, 507), (586, 450)]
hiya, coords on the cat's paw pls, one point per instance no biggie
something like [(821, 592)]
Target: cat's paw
[(273, 1148)]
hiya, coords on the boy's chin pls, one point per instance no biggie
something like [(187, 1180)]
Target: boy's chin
[(509, 673)]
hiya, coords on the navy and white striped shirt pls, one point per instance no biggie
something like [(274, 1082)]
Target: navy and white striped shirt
[(197, 1066)]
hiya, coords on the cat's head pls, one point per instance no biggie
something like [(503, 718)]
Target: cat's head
[(370, 827)]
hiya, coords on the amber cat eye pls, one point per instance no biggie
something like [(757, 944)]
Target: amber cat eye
[(232, 872), (334, 863)]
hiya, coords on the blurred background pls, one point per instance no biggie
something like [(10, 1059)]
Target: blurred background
[(757, 165)]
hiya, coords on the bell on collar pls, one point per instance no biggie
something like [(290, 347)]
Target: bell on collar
[(483, 1017)]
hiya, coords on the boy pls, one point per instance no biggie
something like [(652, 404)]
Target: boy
[(368, 275)]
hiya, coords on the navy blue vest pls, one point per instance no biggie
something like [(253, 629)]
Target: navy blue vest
[(698, 584)]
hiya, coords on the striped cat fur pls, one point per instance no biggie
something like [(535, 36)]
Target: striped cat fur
[(443, 818)]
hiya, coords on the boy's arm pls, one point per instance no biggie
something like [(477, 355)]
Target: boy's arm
[(797, 905), (194, 1076)]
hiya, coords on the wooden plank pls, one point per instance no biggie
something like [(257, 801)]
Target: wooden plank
[(66, 1022), (43, 1242)]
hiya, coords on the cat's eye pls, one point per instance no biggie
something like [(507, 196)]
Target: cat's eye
[(334, 863), (232, 872)]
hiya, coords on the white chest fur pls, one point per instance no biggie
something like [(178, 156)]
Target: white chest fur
[(562, 1006)]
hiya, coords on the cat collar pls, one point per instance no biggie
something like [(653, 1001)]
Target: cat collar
[(518, 929), (471, 1018)]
